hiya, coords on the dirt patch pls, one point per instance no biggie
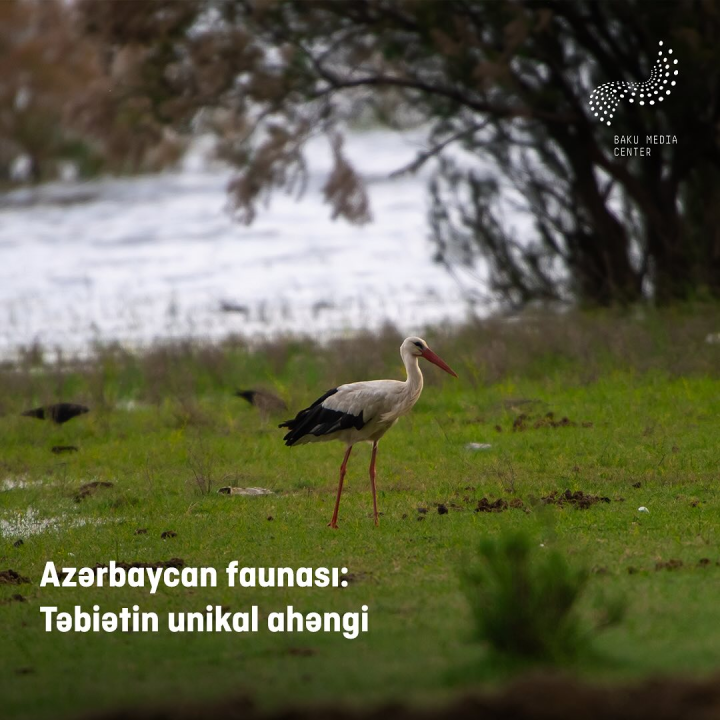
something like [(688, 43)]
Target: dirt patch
[(59, 449), (578, 499), (468, 503), (301, 652), (12, 577), (532, 697), (88, 489), (168, 534), (499, 505), (485, 505), (526, 422), (444, 508), (351, 578), (17, 597), (672, 564), (141, 531), (677, 564)]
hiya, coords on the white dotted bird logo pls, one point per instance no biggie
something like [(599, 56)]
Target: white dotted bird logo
[(605, 98)]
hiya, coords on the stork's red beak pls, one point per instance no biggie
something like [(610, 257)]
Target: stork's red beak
[(435, 360)]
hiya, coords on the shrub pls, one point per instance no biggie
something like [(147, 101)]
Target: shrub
[(524, 600)]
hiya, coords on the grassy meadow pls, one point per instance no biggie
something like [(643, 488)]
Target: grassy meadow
[(625, 407)]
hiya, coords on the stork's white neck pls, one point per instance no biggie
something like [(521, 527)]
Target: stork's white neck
[(414, 382)]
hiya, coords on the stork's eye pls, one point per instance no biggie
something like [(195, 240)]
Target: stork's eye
[(419, 344)]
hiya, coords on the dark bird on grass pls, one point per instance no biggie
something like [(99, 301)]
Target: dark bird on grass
[(263, 400), (59, 413), (363, 412)]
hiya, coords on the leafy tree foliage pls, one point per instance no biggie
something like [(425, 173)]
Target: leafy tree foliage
[(502, 88), (42, 64)]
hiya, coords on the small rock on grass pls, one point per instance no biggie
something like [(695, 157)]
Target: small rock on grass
[(244, 491)]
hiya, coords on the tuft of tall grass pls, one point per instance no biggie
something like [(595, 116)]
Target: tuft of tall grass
[(524, 600), (580, 346)]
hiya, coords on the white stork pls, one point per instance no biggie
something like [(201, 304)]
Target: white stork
[(363, 412)]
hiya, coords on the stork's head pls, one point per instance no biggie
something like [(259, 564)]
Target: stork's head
[(417, 347)]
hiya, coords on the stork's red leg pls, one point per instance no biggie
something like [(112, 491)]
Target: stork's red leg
[(372, 481), (343, 467)]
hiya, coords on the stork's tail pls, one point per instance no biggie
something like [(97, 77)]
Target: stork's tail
[(302, 423), (295, 434)]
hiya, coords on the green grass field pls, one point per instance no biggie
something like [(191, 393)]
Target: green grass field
[(642, 399)]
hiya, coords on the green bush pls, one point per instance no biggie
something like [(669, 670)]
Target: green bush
[(524, 600)]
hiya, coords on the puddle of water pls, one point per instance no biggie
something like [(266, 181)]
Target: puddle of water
[(17, 482), (26, 523), (158, 257)]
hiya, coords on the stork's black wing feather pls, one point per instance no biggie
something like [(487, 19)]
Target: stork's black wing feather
[(292, 424), (318, 420)]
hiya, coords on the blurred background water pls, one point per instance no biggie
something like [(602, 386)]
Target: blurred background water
[(159, 256)]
